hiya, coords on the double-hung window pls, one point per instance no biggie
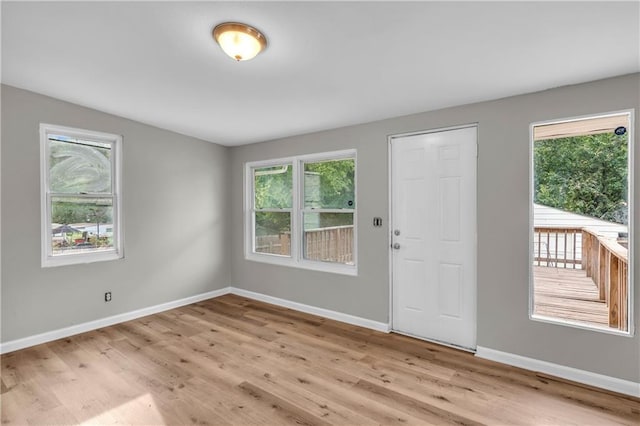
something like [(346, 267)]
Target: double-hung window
[(80, 191), (301, 211)]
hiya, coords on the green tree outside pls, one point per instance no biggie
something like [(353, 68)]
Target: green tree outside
[(72, 212), (583, 174), (333, 187)]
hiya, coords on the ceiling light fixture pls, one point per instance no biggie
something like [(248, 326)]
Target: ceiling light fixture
[(240, 41)]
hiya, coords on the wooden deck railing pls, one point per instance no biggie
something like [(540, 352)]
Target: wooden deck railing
[(603, 259), (331, 244), (557, 247)]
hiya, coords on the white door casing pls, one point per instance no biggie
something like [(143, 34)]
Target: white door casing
[(433, 213)]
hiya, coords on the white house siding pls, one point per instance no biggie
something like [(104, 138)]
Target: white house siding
[(553, 245)]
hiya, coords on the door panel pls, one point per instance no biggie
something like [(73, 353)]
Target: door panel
[(434, 212), (450, 290), (449, 208)]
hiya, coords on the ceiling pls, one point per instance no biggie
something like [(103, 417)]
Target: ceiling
[(328, 64)]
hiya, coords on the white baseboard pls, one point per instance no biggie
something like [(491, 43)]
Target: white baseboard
[(326, 313), (581, 376), (626, 387), (50, 336)]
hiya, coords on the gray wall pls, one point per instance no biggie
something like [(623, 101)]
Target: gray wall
[(191, 191), (503, 220), (175, 211)]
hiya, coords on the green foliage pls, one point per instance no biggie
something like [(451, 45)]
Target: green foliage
[(583, 174), (66, 212), (328, 184), (273, 187), (336, 186)]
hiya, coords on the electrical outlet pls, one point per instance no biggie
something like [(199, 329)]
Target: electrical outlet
[(107, 296)]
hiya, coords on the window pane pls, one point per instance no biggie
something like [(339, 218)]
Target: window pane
[(581, 222), (81, 225), (273, 233), (329, 237), (79, 166), (330, 184), (273, 187)]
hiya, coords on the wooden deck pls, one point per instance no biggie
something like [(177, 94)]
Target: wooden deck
[(568, 294)]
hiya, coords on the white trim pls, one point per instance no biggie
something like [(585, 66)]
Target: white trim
[(390, 139), (436, 130), (581, 376), (630, 113), (390, 185), (581, 325), (296, 257), (115, 141), (582, 117), (14, 345), (284, 260), (49, 336), (614, 384), (390, 226), (322, 312)]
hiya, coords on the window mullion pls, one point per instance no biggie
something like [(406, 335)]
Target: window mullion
[(296, 235), (270, 210), (48, 216), (252, 208), (322, 210), (81, 195), (339, 260)]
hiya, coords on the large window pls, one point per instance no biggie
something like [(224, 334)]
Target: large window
[(80, 181), (581, 213), (301, 211)]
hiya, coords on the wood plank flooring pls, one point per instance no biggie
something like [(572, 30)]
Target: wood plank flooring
[(232, 360), (568, 294)]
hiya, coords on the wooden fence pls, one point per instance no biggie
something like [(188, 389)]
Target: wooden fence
[(274, 244), (331, 244)]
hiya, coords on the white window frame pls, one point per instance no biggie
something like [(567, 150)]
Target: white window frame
[(296, 259), (47, 257), (631, 228)]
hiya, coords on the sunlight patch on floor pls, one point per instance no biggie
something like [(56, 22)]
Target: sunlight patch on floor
[(141, 410)]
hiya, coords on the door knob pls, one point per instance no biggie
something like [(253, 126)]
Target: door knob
[(396, 246), (396, 232)]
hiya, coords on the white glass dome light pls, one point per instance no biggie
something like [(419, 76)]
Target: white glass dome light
[(240, 41)]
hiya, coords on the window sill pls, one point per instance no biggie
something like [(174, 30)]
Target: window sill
[(333, 268), (583, 326), (80, 258)]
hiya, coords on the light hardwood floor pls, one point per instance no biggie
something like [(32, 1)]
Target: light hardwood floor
[(232, 360)]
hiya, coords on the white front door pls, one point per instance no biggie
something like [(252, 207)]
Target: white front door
[(433, 185)]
